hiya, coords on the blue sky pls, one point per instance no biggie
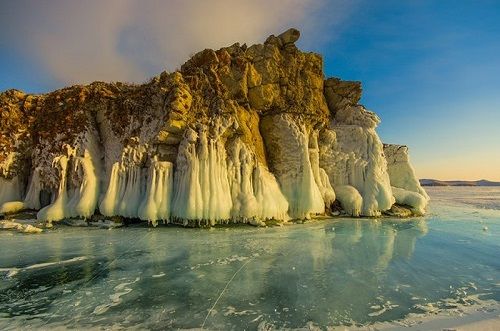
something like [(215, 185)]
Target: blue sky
[(430, 69)]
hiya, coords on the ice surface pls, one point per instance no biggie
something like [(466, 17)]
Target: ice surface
[(21, 227), (322, 273)]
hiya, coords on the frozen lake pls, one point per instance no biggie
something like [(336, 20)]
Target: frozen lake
[(322, 273)]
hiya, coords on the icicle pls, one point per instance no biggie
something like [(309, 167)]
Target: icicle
[(288, 146), (272, 203), (157, 202), (240, 170), (124, 193), (201, 187), (79, 201), (84, 199), (32, 199), (255, 192), (129, 202), (57, 210), (109, 202)]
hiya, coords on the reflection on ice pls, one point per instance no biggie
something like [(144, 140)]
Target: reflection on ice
[(287, 274)]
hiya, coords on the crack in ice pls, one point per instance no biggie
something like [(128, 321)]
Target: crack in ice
[(222, 292)]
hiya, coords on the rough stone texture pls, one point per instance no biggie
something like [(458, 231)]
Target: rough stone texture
[(234, 93), (341, 94)]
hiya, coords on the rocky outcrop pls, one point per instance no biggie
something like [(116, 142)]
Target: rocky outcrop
[(341, 95), (242, 134)]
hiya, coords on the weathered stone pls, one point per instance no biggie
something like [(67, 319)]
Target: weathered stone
[(261, 97), (289, 36), (340, 94)]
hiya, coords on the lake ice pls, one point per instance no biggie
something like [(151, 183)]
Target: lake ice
[(326, 272)]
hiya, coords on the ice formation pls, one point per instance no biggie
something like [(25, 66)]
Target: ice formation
[(157, 201), (241, 134), (406, 187), (288, 148), (350, 199), (352, 154), (58, 210), (10, 190), (32, 199), (255, 193), (201, 185)]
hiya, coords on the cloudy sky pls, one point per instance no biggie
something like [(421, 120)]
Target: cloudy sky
[(430, 69)]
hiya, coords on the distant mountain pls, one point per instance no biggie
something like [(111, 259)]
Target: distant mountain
[(435, 182)]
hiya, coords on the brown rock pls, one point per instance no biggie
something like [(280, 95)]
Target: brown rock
[(289, 36), (340, 94)]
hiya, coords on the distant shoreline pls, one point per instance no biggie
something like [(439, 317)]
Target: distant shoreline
[(435, 182)]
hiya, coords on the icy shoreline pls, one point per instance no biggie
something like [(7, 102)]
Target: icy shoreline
[(27, 222)]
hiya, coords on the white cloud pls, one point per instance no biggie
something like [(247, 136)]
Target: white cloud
[(130, 40)]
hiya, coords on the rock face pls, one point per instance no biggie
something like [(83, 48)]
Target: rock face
[(239, 134)]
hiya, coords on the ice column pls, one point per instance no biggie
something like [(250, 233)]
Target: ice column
[(124, 193), (32, 199), (201, 186), (287, 144), (406, 187), (156, 204), (57, 210), (352, 154), (320, 175), (255, 192), (10, 192)]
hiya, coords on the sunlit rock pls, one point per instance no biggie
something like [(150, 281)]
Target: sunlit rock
[(241, 134)]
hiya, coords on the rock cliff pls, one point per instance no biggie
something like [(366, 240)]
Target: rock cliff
[(243, 134)]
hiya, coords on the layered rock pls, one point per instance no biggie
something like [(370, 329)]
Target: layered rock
[(242, 134)]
